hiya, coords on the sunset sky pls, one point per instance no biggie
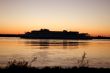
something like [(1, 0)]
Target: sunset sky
[(90, 16)]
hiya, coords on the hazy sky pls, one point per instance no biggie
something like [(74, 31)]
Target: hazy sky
[(91, 16)]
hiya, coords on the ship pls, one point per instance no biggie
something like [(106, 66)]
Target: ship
[(47, 34)]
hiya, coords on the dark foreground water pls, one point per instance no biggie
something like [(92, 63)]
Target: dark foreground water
[(63, 53)]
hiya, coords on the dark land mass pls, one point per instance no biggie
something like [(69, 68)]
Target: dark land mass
[(47, 34), (55, 69), (101, 37), (11, 35)]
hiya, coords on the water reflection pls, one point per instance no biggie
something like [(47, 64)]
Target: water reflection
[(42, 57), (44, 43), (55, 52)]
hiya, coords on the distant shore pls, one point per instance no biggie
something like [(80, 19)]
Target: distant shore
[(20, 35), (11, 35), (47, 34)]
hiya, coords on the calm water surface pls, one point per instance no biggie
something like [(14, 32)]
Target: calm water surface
[(63, 53)]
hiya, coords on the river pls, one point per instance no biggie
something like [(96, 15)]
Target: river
[(50, 52)]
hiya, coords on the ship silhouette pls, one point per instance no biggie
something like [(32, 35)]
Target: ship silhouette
[(47, 34)]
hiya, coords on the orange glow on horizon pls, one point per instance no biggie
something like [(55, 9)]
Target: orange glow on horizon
[(21, 31)]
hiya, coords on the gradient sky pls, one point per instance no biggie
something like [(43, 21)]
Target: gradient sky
[(91, 16)]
